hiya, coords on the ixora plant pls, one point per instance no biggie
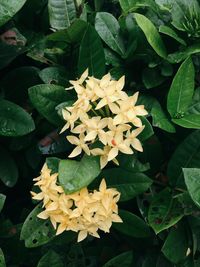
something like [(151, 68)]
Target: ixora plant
[(100, 100)]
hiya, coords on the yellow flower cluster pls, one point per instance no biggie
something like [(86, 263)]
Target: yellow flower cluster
[(83, 212), (105, 113)]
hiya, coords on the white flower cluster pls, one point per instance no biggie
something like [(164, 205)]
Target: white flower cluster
[(105, 113)]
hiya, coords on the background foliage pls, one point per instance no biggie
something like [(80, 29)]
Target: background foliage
[(155, 43)]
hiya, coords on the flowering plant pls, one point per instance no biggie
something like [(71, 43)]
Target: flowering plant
[(104, 113)]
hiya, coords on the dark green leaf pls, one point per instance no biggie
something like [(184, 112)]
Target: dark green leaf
[(181, 90), (54, 75), (91, 54), (14, 120), (124, 259), (8, 168), (51, 258), (74, 175), (109, 30), (194, 108), (170, 32), (73, 34), (179, 56), (176, 244), (160, 118), (8, 8), (2, 259), (148, 130), (127, 183), (132, 225), (164, 211), (132, 164), (36, 232), (2, 201), (46, 97), (191, 121), (151, 34), (133, 5), (61, 13), (186, 155), (53, 164), (192, 181)]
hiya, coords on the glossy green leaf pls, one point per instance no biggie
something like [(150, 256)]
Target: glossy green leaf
[(36, 232), (176, 244), (191, 121), (8, 8), (132, 225), (8, 168), (181, 90), (160, 118), (164, 211), (192, 181), (124, 259), (152, 35), (53, 164), (51, 258), (2, 201), (132, 5), (109, 30), (194, 107), (61, 13), (2, 259), (91, 54), (170, 32), (148, 130), (73, 34), (186, 155), (127, 183), (54, 75), (132, 164), (14, 120), (46, 97), (74, 175)]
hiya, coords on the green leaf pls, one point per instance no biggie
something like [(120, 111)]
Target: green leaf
[(192, 181), (152, 35), (14, 120), (170, 32), (127, 183), (53, 164), (160, 118), (179, 56), (51, 258), (2, 201), (54, 75), (124, 259), (181, 90), (133, 5), (8, 168), (186, 155), (191, 121), (91, 54), (73, 34), (194, 108), (132, 225), (46, 97), (164, 211), (74, 175), (185, 16), (61, 13), (8, 8), (176, 244), (148, 130), (36, 232), (109, 30), (2, 259)]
